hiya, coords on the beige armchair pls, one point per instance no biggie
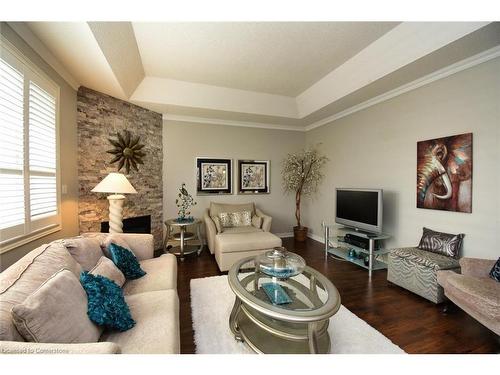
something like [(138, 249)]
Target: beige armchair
[(234, 243), (474, 291)]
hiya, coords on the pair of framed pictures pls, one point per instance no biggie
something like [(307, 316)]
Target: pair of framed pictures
[(214, 176)]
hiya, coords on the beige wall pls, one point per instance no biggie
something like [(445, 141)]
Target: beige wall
[(376, 148), (183, 142), (68, 143)]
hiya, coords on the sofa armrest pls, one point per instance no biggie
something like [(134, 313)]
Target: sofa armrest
[(18, 347), (210, 231), (476, 267), (266, 220)]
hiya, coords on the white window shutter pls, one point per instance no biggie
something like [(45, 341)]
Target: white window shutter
[(42, 153), (12, 202)]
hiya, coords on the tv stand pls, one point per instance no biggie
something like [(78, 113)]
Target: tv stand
[(335, 244)]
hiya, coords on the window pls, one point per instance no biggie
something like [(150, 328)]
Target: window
[(29, 180)]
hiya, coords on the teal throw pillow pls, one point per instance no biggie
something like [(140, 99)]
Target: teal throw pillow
[(126, 261), (106, 304)]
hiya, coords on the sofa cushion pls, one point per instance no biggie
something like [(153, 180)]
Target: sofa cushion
[(157, 328), (86, 251), (481, 294), (234, 242), (56, 312), (217, 208), (426, 258), (257, 221), (25, 276), (117, 240), (161, 274), (218, 225), (105, 267), (495, 271)]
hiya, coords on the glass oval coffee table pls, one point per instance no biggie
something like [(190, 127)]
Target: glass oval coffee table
[(299, 326)]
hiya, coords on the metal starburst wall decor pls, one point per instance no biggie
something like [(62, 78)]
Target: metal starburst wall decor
[(127, 151)]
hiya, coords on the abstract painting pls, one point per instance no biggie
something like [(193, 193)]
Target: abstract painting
[(444, 173), (213, 176), (253, 176)]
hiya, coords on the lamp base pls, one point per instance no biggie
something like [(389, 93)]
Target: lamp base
[(116, 213)]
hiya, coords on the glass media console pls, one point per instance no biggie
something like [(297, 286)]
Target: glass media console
[(363, 249)]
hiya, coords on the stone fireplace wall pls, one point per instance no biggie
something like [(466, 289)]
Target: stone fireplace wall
[(100, 117)]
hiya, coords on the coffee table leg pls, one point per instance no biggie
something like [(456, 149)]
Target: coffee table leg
[(313, 337), (182, 243), (233, 324), (198, 233)]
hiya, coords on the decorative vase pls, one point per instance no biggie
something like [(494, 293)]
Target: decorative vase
[(300, 233), (280, 263), (351, 253)]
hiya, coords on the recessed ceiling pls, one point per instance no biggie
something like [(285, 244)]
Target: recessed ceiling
[(282, 58), (288, 75)]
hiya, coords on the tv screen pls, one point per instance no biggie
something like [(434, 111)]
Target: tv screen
[(360, 208)]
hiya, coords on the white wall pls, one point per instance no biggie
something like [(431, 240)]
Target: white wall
[(183, 142), (376, 148)]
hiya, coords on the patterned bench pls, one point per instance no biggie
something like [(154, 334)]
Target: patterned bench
[(416, 271)]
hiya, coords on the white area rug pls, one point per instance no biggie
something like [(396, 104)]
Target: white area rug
[(211, 304)]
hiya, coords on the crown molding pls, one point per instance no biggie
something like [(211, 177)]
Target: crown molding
[(432, 77), (36, 44), (215, 121)]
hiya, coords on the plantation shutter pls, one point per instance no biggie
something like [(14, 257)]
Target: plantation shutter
[(29, 193), (11, 147), (42, 153)]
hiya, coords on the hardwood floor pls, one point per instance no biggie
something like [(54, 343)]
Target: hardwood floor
[(413, 323)]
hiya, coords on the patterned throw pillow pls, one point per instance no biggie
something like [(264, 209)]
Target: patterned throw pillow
[(441, 243), (235, 219), (126, 261), (495, 271), (107, 306)]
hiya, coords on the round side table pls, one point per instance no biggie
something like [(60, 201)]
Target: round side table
[(182, 236)]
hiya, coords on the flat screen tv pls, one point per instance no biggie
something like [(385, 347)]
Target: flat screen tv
[(360, 209)]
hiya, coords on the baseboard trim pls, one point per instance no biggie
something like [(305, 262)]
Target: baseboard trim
[(284, 234), (315, 237)]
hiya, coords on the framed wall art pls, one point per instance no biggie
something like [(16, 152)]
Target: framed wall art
[(444, 173), (213, 176), (253, 176)]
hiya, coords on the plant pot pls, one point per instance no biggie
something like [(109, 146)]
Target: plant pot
[(300, 233)]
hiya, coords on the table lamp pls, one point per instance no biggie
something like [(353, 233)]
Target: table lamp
[(118, 184)]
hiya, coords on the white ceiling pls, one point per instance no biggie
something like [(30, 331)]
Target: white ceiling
[(282, 58), (291, 75)]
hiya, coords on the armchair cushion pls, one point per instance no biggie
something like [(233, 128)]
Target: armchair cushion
[(257, 221), (426, 258), (441, 243)]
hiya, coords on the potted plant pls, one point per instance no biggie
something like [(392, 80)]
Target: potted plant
[(184, 202), (302, 174)]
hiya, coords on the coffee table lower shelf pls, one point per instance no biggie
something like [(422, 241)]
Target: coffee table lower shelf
[(265, 335)]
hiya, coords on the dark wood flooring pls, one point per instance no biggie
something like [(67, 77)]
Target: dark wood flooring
[(413, 323)]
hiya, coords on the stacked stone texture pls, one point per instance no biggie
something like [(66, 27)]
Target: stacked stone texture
[(101, 117)]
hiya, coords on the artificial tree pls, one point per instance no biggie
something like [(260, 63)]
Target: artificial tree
[(302, 173)]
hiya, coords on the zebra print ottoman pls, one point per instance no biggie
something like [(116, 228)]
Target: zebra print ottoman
[(416, 271)]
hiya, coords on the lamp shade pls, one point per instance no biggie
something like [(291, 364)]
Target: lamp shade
[(115, 183)]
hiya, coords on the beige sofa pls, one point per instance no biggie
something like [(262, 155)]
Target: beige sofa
[(474, 291), (152, 300), (233, 244)]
